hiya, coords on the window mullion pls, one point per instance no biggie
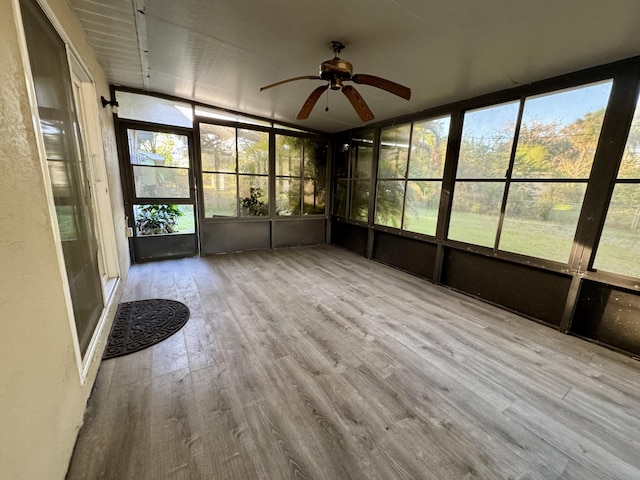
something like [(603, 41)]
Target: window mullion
[(406, 178), (237, 178), (301, 180), (602, 180), (508, 173)]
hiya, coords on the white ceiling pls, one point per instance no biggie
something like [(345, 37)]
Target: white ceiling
[(221, 52)]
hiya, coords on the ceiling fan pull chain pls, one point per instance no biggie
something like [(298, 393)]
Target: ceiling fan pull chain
[(326, 109)]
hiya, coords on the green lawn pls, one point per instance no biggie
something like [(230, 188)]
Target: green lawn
[(186, 223), (619, 250)]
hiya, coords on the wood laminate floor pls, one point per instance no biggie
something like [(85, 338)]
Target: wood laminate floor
[(315, 363)]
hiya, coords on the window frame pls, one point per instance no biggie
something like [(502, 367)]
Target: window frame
[(270, 176), (600, 273), (301, 177), (238, 175), (508, 179), (358, 138), (407, 178)]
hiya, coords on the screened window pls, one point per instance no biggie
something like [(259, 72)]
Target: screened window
[(288, 175), (354, 161), (410, 168), (527, 200), (340, 194), (160, 163), (219, 179), (162, 219), (424, 178), (253, 172), (392, 173), (301, 170), (557, 143), (215, 114), (485, 149), (620, 240), (361, 160), (314, 177), (155, 110), (235, 171)]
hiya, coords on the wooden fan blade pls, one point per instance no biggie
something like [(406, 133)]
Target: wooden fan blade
[(311, 102), (358, 103), (384, 84), (304, 77)]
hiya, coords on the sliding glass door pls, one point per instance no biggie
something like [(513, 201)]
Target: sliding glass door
[(67, 168)]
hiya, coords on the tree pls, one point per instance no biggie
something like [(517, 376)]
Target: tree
[(314, 176), (218, 148), (172, 147), (428, 149), (582, 135), (630, 166), (253, 152), (540, 146), (486, 157)]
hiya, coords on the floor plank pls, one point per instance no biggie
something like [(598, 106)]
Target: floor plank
[(315, 363)]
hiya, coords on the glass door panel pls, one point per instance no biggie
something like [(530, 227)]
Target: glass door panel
[(162, 194)]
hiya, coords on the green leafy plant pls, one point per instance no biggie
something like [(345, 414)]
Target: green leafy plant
[(253, 205), (157, 219)]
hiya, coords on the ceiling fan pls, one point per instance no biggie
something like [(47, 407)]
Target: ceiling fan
[(336, 71)]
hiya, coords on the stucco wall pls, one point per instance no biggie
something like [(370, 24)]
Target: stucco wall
[(41, 398)]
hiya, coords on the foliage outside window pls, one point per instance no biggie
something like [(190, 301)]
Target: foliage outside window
[(557, 143), (528, 202), (410, 172), (235, 171), (253, 172), (340, 198), (301, 170), (341, 175), (393, 158), (620, 240), (359, 206), (314, 173), (162, 219), (360, 164), (429, 141), (353, 163)]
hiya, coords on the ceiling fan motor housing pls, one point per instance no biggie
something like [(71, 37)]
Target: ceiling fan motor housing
[(336, 70)]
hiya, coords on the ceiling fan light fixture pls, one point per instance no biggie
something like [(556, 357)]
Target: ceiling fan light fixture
[(336, 83)]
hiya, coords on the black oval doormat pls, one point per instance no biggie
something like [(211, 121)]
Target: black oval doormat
[(143, 323)]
